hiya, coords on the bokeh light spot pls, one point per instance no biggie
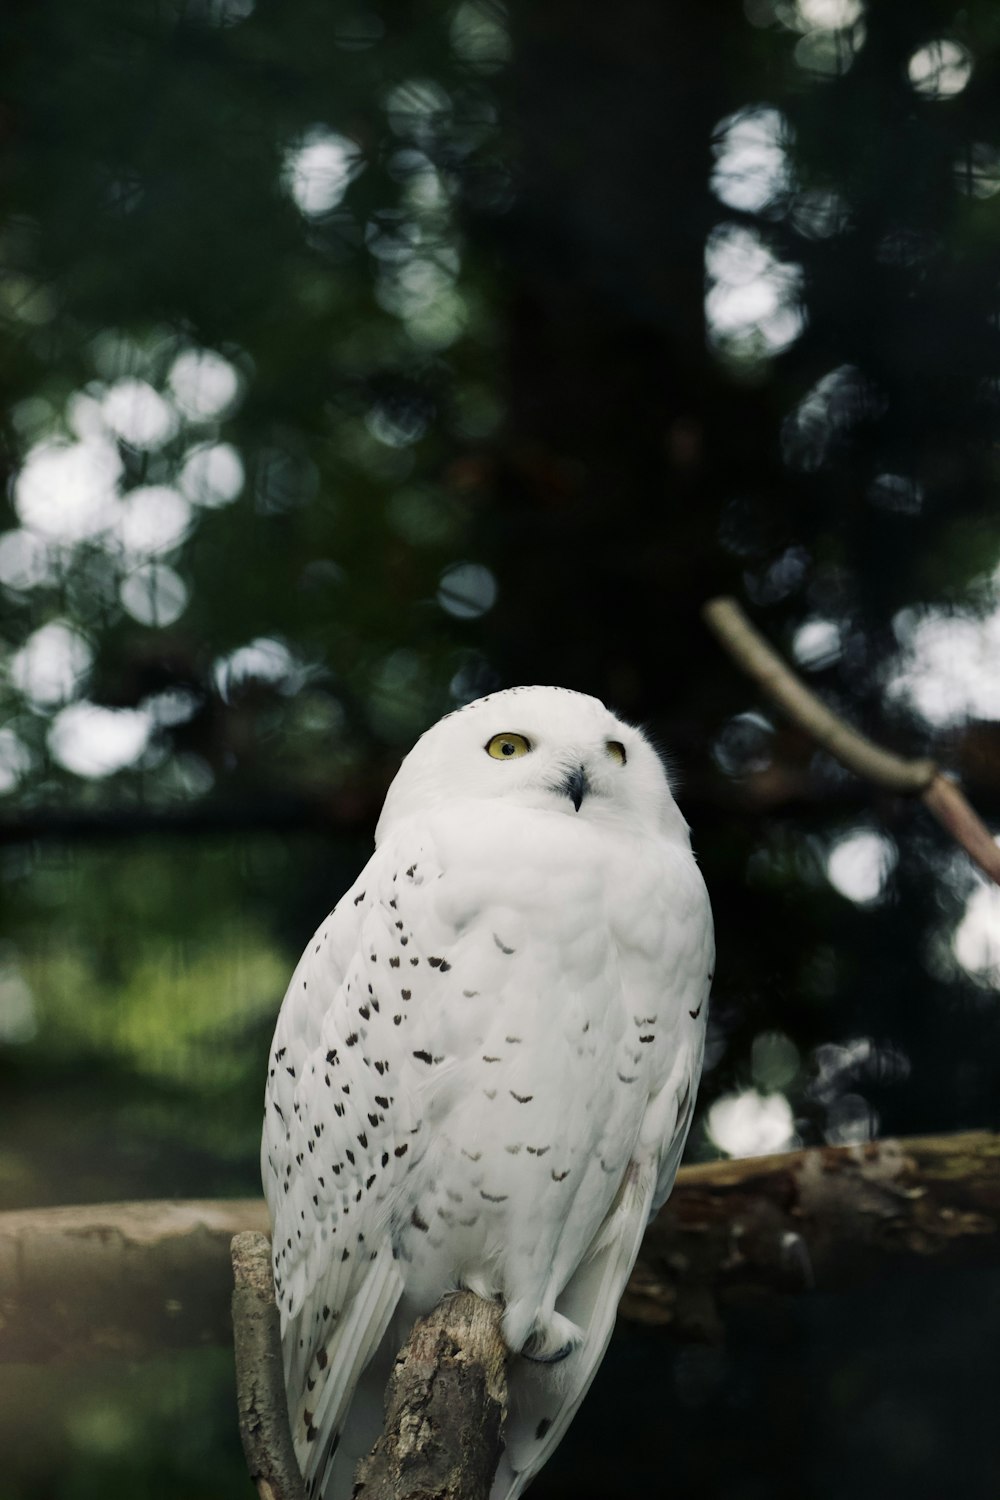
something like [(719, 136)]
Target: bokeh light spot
[(138, 414), (947, 668), (26, 560), (18, 1020), (940, 70), (744, 745), (205, 385), (826, 414), (93, 741), (467, 590), (817, 644), (260, 661), (977, 171), (828, 15), (154, 594), (774, 1060), (68, 491), (897, 492), (153, 519), (976, 940), (418, 109), (859, 865), (751, 1123), (15, 760), (753, 305), (318, 170), (479, 35), (829, 54), (212, 474), (52, 664), (752, 168), (850, 1121)]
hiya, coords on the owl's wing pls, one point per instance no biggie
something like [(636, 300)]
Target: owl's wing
[(545, 1398), (330, 1156)]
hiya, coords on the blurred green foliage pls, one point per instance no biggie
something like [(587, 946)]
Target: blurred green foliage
[(161, 1429), (355, 359)]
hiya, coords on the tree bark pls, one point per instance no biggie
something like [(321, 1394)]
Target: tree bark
[(445, 1408), (830, 1218), (260, 1384)]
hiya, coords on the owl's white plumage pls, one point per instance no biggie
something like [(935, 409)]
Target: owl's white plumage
[(484, 1069)]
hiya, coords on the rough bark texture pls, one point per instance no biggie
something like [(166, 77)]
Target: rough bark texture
[(120, 1279), (260, 1386), (828, 1218), (445, 1408)]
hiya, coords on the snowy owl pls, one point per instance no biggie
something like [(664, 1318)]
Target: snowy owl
[(484, 1068)]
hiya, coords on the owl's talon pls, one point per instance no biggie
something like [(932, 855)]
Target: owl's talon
[(552, 1341), (548, 1359)]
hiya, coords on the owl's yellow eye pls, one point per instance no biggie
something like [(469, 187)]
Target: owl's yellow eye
[(507, 746), (616, 750)]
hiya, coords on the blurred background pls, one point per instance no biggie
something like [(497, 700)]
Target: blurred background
[(357, 358)]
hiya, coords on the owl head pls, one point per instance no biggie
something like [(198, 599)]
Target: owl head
[(538, 747)]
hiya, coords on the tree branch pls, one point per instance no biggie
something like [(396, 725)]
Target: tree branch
[(445, 1408), (134, 1279), (829, 1218), (260, 1384), (445, 1405), (943, 799)]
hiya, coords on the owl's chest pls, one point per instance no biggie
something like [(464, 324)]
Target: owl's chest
[(551, 889), (535, 953), (538, 1024), (552, 967), (524, 968)]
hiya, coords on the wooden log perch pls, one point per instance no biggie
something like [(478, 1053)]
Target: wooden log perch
[(445, 1408), (260, 1384), (125, 1280), (939, 794), (830, 1218), (128, 1280), (73, 1282), (445, 1405)]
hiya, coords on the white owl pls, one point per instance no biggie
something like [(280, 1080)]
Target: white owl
[(484, 1068)]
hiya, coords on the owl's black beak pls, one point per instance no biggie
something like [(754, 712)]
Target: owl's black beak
[(576, 786)]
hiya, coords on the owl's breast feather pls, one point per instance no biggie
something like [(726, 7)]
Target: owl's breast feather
[(558, 1018)]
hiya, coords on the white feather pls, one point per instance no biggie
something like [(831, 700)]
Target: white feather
[(484, 1068)]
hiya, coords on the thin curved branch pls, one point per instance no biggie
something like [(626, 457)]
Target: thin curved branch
[(759, 660), (944, 801), (941, 796)]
